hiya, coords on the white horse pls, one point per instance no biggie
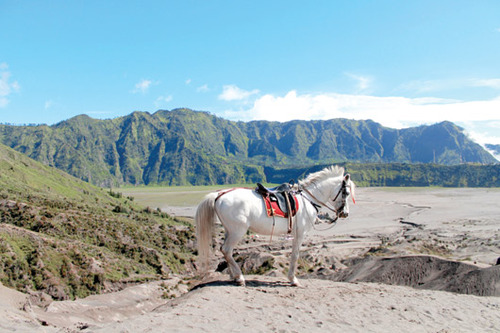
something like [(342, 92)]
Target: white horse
[(241, 209)]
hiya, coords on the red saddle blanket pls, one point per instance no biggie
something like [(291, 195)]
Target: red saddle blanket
[(273, 209)]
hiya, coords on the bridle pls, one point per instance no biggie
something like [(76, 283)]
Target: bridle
[(342, 190)]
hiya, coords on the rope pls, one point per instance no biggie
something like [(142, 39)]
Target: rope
[(334, 223)]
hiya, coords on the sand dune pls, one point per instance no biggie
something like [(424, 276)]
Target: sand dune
[(425, 272)]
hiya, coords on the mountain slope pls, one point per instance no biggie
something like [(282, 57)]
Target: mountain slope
[(188, 147), (69, 239)]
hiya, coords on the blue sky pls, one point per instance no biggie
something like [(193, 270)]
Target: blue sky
[(400, 63)]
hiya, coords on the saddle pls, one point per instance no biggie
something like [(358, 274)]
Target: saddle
[(279, 201)]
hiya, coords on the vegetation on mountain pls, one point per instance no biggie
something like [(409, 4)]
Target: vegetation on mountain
[(398, 174), (67, 238), (182, 146)]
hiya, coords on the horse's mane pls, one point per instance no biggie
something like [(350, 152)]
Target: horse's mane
[(328, 172)]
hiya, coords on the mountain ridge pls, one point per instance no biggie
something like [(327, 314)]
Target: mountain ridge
[(183, 146)]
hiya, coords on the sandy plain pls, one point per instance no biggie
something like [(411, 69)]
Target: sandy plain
[(459, 227)]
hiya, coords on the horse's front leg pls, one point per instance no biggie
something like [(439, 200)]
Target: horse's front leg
[(294, 257)]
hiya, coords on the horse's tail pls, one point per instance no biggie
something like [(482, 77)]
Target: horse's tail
[(205, 219)]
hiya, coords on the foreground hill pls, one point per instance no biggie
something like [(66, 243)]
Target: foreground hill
[(67, 238), (188, 147)]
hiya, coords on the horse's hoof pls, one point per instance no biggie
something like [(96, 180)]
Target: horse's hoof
[(240, 282), (295, 283)]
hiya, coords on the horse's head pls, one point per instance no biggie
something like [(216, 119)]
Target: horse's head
[(330, 188), (341, 198)]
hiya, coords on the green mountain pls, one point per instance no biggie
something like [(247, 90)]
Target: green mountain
[(68, 238), (189, 147), (403, 174)]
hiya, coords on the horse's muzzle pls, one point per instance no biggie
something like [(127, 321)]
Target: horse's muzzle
[(343, 215)]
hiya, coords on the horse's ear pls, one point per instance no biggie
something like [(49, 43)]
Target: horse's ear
[(347, 178)]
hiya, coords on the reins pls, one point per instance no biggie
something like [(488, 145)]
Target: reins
[(333, 224), (321, 203)]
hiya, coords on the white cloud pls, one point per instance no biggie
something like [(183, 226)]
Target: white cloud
[(291, 106), (482, 138), (395, 112), (163, 100), (48, 104), (203, 88), (427, 86), (142, 86), (483, 131), (362, 82), (491, 83), (6, 86), (233, 93), (496, 126), (188, 82)]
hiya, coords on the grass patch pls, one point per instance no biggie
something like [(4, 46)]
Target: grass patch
[(177, 196)]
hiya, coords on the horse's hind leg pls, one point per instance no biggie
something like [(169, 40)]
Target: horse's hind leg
[(297, 242), (232, 238)]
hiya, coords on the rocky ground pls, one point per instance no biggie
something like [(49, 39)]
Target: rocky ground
[(419, 260)]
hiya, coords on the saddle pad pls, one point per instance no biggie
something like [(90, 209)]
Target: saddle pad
[(273, 209)]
